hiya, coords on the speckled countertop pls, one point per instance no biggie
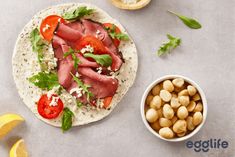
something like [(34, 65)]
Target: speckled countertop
[(206, 56)]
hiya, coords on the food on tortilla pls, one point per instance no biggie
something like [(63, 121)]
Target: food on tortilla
[(80, 71)]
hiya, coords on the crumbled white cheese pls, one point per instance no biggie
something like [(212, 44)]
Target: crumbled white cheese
[(109, 68), (87, 48), (97, 33), (76, 90), (46, 28), (59, 20), (54, 101), (99, 70), (130, 1), (77, 74), (52, 64), (53, 91)]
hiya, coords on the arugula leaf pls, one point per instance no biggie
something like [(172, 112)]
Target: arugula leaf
[(45, 80), (79, 104), (84, 87), (170, 45), (78, 13), (104, 60), (74, 57), (114, 35), (67, 119), (190, 22)]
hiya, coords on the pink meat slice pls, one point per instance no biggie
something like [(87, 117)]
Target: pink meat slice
[(77, 25), (101, 85), (91, 29), (68, 33)]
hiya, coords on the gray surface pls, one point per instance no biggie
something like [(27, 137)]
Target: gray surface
[(206, 56)]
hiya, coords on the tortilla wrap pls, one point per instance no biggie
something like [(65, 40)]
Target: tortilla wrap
[(25, 64)]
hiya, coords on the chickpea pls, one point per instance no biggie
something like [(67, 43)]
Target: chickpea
[(175, 102), (198, 107), (156, 90), (149, 99), (156, 102), (191, 106), (183, 93), (196, 97), (182, 112), (165, 95), (191, 90), (168, 111), (190, 125), (184, 100), (165, 122), (156, 126), (151, 115), (181, 134), (174, 119), (166, 132), (167, 85), (180, 126), (197, 118), (178, 82)]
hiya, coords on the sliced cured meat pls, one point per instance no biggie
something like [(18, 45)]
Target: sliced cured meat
[(67, 32), (58, 42), (117, 61), (101, 85), (77, 25), (86, 63), (65, 67)]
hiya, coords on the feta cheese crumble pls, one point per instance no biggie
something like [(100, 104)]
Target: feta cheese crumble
[(54, 101), (46, 28), (76, 90), (97, 33), (88, 48), (99, 70)]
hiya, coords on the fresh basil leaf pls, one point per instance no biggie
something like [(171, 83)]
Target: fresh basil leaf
[(45, 80), (79, 104), (190, 22), (114, 35), (170, 45), (78, 13), (84, 87), (104, 60), (67, 119), (36, 41)]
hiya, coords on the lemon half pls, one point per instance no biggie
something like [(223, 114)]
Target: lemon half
[(19, 149), (8, 122)]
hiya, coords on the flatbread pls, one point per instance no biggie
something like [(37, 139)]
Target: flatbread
[(25, 64)]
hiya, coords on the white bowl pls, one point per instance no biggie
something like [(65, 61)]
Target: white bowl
[(204, 102)]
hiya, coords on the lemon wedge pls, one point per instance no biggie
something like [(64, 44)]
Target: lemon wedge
[(8, 122), (19, 149)]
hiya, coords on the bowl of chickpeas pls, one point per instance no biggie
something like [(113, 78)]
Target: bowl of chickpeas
[(174, 108)]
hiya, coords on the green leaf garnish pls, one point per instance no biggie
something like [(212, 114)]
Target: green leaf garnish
[(78, 13), (170, 45), (74, 57), (104, 60), (67, 119), (114, 35), (190, 22), (45, 80), (83, 86), (79, 103)]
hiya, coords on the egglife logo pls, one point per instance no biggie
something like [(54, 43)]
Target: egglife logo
[(206, 145)]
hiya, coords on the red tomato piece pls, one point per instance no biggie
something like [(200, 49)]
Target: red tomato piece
[(97, 45), (47, 111), (117, 30), (107, 102), (49, 25)]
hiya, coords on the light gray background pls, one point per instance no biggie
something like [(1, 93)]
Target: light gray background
[(207, 56)]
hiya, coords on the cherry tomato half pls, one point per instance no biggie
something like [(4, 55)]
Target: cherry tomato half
[(47, 111), (110, 26), (93, 42), (49, 25), (107, 102)]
